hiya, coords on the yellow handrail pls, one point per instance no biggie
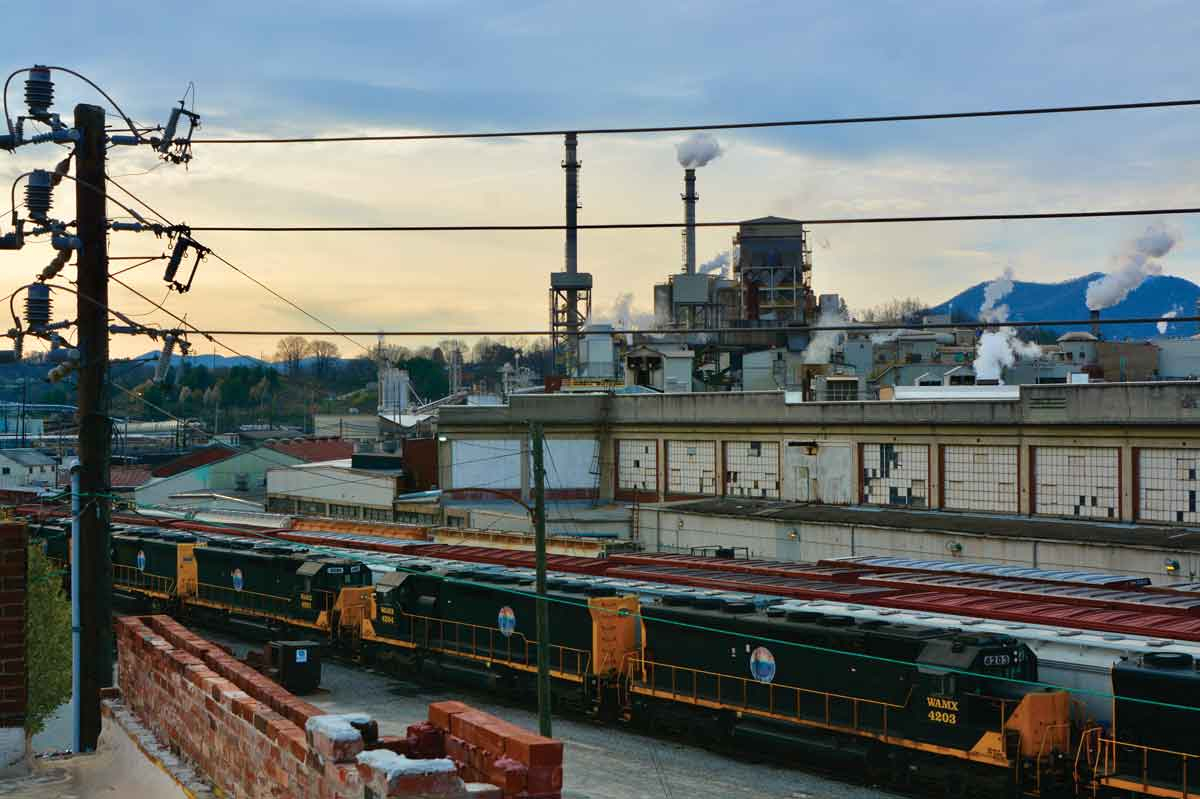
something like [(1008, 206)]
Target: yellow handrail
[(132, 577), (635, 661), (1108, 752), (259, 601), (581, 659)]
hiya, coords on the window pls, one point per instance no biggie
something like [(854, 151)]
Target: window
[(7, 470), (377, 514)]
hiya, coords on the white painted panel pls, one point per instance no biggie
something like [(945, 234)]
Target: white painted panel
[(485, 463), (835, 474), (570, 463)]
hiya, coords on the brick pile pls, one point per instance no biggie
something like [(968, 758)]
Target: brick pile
[(253, 739), (488, 749)]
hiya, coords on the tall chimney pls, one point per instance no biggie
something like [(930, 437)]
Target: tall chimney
[(689, 197), (1095, 317), (571, 165)]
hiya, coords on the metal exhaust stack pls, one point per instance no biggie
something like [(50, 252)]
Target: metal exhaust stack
[(1095, 317), (689, 197)]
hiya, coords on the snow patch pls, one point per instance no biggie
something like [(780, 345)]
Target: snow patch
[(395, 765), (337, 727)]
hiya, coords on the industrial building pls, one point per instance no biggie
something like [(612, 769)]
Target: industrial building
[(1119, 456)]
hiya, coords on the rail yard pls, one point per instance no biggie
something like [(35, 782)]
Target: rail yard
[(969, 680)]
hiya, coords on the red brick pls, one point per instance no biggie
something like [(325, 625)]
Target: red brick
[(533, 750), (509, 775), (544, 780), (440, 713)]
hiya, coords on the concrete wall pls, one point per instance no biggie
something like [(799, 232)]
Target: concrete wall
[(333, 484), (664, 529)]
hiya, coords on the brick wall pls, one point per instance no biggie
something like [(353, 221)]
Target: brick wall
[(13, 566), (253, 739)]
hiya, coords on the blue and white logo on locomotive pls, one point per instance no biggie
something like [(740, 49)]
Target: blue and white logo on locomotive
[(507, 621), (141, 560), (762, 664), (238, 581)]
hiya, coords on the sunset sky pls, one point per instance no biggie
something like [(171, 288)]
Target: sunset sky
[(376, 67)]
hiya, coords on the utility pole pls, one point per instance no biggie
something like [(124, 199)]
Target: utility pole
[(95, 559), (543, 612)]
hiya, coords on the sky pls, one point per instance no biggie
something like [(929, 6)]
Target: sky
[(306, 68)]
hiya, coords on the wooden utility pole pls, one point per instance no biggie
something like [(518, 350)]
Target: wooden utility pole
[(543, 612), (95, 428)]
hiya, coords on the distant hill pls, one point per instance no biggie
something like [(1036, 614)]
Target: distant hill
[(1032, 301), (208, 359)]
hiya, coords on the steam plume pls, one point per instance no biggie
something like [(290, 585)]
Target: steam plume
[(1000, 348), (622, 314), (697, 150), (993, 292), (820, 346), (718, 265), (1163, 323), (1134, 265)]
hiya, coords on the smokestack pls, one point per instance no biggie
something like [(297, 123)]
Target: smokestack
[(571, 165), (689, 197), (1095, 317)]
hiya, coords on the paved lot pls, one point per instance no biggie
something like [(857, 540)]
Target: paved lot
[(601, 762)]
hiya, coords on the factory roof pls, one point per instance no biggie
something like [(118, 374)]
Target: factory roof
[(771, 219), (312, 450), (27, 457), (200, 457), (1077, 335)]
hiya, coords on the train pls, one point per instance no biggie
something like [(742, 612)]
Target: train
[(910, 706)]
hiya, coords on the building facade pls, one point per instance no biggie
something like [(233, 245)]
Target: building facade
[(1112, 452)]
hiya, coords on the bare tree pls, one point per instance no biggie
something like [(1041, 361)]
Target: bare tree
[(290, 351), (897, 310), (324, 354)]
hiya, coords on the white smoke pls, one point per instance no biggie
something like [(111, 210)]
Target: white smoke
[(884, 336), (1163, 323), (999, 349), (1134, 265), (993, 292), (622, 315), (821, 345), (718, 265), (697, 150)]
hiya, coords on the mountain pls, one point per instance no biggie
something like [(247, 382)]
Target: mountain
[(1032, 301), (209, 360)]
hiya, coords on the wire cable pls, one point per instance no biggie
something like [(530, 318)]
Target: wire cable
[(857, 120), (847, 328), (242, 272), (850, 220)]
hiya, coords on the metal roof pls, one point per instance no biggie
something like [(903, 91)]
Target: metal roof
[(880, 563)]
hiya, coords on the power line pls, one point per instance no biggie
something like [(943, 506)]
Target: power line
[(847, 328), (845, 220), (792, 123), (241, 272), (723, 223)]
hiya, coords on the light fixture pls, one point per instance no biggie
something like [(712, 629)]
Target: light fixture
[(1171, 566)]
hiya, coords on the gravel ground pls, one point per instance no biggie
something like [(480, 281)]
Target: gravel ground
[(600, 762)]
